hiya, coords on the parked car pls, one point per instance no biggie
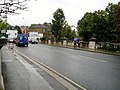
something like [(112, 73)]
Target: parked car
[(22, 40), (11, 40), (34, 41), (2, 37)]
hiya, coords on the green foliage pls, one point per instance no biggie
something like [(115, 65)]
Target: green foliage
[(111, 47), (18, 28), (57, 23), (111, 10), (117, 22), (3, 25), (99, 24), (100, 29), (66, 32), (1, 35), (85, 26)]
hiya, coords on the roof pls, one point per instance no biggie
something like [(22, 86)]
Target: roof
[(92, 39), (40, 26)]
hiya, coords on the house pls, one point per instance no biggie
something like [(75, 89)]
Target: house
[(44, 30), (12, 34)]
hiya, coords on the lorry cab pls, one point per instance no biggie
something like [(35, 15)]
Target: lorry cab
[(22, 40)]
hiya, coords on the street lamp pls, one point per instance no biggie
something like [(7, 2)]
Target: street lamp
[(25, 26)]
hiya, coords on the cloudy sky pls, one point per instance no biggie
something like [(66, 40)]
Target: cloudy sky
[(41, 11)]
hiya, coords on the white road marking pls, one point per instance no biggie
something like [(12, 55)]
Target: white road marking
[(59, 77), (35, 78), (100, 60)]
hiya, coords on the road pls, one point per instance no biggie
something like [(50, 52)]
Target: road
[(93, 71), (20, 73)]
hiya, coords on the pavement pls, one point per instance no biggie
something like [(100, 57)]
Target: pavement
[(1, 77)]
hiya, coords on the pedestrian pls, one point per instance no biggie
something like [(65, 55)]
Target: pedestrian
[(75, 44), (78, 42)]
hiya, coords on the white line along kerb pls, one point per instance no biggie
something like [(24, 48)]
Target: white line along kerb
[(62, 79)]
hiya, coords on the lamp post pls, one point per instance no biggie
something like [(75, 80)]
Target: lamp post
[(24, 26)]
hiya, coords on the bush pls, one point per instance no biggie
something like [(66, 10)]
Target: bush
[(111, 47), (118, 48), (1, 35)]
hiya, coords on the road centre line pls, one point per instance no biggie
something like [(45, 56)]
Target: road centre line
[(59, 77), (95, 59)]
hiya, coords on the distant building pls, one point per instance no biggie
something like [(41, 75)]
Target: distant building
[(43, 30), (24, 29), (12, 33)]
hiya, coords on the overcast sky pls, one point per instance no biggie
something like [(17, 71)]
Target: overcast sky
[(41, 11)]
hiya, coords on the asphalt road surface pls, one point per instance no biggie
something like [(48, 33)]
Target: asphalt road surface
[(93, 71), (21, 74)]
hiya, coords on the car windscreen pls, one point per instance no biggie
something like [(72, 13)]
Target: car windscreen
[(23, 37)]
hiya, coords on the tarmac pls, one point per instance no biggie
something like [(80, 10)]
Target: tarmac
[(21, 74), (15, 63)]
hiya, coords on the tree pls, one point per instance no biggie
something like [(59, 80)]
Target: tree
[(99, 24), (111, 11), (57, 23), (12, 6), (84, 27), (66, 32), (117, 22), (3, 25), (18, 28)]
